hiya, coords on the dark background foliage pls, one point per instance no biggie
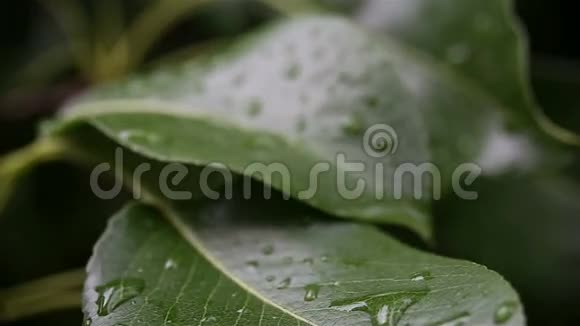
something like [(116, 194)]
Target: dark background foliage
[(527, 230)]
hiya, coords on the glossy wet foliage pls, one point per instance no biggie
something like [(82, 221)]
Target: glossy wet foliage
[(278, 263), (299, 92)]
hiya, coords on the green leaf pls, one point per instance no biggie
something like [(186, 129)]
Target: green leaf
[(278, 263), (481, 41), (17, 164), (301, 93), (478, 39)]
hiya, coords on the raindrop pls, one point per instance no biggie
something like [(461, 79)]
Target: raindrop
[(138, 136), (88, 322), (384, 309), (170, 264), (268, 250), (270, 278), (421, 276), (253, 263), (383, 315), (372, 101), (284, 284), (311, 292), (353, 127), (324, 258), (255, 108), (293, 71), (356, 306), (505, 312), (115, 293), (308, 260)]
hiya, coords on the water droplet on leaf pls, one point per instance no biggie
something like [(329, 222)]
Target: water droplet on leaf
[(311, 292), (421, 276), (372, 101), (293, 71), (383, 315), (170, 264), (355, 306), (284, 284), (383, 308), (268, 250), (138, 136), (253, 263), (505, 312), (255, 108), (353, 127), (115, 293)]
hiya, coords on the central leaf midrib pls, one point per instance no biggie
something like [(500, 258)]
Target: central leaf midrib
[(189, 235)]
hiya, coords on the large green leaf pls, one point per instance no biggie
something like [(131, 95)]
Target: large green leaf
[(278, 263), (301, 93), (480, 40)]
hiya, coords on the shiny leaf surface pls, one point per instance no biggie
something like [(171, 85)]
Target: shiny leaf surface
[(278, 263), (309, 91)]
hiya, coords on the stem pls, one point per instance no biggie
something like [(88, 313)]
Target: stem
[(26, 307), (52, 293), (18, 163), (73, 21), (153, 22), (188, 52), (557, 132), (110, 60)]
